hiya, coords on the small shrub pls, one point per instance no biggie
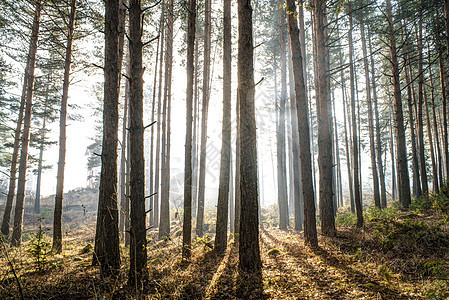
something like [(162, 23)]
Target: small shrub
[(40, 247), (346, 219)]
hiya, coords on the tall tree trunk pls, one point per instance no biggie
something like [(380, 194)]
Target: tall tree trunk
[(195, 135), (346, 120), (206, 95), (37, 200), (393, 164), (370, 121), (106, 251), (355, 156), (403, 182), (221, 236), (280, 132), (310, 233), (57, 220), (16, 237), (337, 156), (422, 157), (28, 74), (296, 165), (138, 243), (432, 151), (324, 124), (153, 108), (124, 214), (187, 222), (157, 172), (238, 198), (435, 127), (249, 253), (443, 87), (164, 225), (231, 198), (415, 163), (380, 169)]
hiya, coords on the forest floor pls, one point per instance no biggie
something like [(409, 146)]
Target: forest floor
[(397, 255)]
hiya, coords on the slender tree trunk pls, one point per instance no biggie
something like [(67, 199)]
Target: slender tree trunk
[(195, 135), (16, 237), (422, 157), (157, 168), (164, 229), (37, 201), (337, 155), (393, 164), (296, 165), (206, 94), (187, 225), (280, 132), (231, 198), (225, 163), (57, 220), (249, 253), (415, 164), (153, 108), (29, 73), (435, 129), (122, 180), (138, 242), (443, 88), (106, 251), (238, 198), (432, 151), (355, 159), (324, 124), (310, 233), (370, 121), (346, 120), (380, 169), (403, 182)]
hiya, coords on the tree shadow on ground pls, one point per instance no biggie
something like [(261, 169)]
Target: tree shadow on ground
[(362, 281)]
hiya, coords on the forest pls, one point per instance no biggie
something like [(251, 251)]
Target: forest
[(218, 149)]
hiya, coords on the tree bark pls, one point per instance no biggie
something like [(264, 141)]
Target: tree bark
[(221, 236), (310, 233), (29, 72), (324, 124), (435, 129), (422, 157), (138, 242), (106, 251), (37, 201), (355, 155), (57, 220), (443, 87), (346, 120), (164, 225), (401, 156), (380, 169), (206, 95), (157, 177), (280, 132), (249, 253), (370, 120), (417, 192), (298, 206), (187, 222), (16, 237)]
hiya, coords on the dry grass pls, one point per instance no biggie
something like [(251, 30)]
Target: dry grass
[(357, 264)]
